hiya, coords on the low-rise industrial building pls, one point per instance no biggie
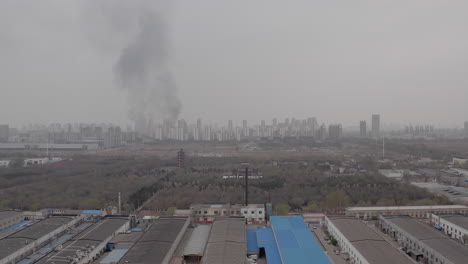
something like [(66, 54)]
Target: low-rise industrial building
[(393, 174), (196, 244), (423, 242), (296, 243), (5, 163), (18, 245), (89, 244), (206, 213), (363, 245), (455, 226), (227, 242), (158, 242), (9, 218), (413, 211)]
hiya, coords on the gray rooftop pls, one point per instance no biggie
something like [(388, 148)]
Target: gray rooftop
[(197, 241), (8, 214), (459, 220), (156, 242), (449, 248), (91, 236), (227, 242), (20, 239), (370, 244)]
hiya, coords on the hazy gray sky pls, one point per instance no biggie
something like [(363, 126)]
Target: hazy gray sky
[(340, 61)]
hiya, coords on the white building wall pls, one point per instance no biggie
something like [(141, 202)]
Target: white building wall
[(406, 240), (449, 228), (345, 245)]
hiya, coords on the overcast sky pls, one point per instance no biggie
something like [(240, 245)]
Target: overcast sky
[(340, 61)]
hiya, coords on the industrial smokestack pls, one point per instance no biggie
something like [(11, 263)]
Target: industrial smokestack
[(120, 206)]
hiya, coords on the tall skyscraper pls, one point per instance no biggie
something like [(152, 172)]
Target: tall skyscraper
[(245, 129), (362, 128), (466, 128), (335, 131), (375, 126), (274, 122), (4, 133), (230, 130), (199, 130)]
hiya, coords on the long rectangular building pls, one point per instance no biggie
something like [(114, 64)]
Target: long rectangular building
[(88, 244), (413, 211), (455, 226), (9, 218), (227, 242), (363, 244), (20, 244), (423, 242), (158, 242)]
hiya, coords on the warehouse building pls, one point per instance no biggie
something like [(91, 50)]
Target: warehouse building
[(413, 211), (423, 242), (196, 244), (20, 244), (295, 242), (158, 242), (206, 213), (10, 218), (363, 245), (89, 244), (227, 242), (455, 226)]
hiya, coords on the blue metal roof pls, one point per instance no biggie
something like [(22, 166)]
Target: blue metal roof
[(114, 256), (91, 212), (252, 240), (266, 239), (295, 241)]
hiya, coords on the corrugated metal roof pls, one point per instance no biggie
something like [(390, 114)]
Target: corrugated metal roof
[(295, 241), (252, 240), (197, 241), (91, 212), (114, 256), (226, 244), (266, 240)]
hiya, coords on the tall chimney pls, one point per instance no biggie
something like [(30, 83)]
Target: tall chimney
[(120, 206)]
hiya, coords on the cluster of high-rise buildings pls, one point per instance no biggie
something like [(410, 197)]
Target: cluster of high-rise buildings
[(290, 127), (375, 128), (104, 135), (108, 135)]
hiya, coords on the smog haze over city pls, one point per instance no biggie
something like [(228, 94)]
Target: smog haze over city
[(233, 132), (254, 60)]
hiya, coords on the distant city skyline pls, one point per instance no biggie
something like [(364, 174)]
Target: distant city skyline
[(59, 64)]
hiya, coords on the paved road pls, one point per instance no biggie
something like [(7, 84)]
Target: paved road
[(329, 249)]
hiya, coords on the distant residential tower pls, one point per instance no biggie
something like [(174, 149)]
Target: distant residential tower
[(375, 126)]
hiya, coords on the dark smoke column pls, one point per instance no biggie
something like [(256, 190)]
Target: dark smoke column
[(142, 69)]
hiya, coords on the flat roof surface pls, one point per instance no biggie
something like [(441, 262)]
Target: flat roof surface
[(459, 220), (227, 242), (390, 208), (370, 244), (7, 214), (295, 241), (449, 248), (114, 256), (91, 236), (20, 239), (155, 243)]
